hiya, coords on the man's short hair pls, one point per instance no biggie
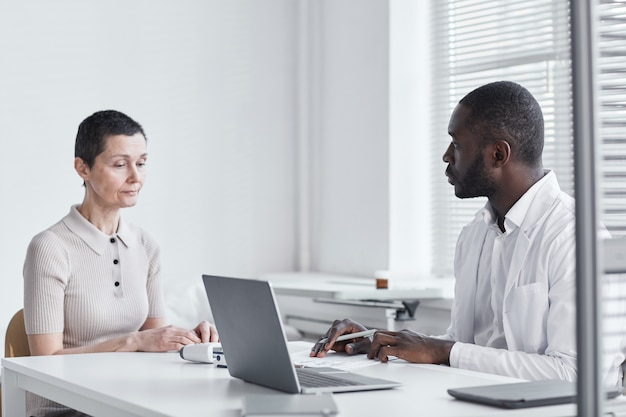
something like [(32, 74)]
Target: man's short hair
[(504, 110), (95, 129)]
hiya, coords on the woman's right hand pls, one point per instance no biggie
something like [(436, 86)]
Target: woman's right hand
[(149, 339), (163, 339)]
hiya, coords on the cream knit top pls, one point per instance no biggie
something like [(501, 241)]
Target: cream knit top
[(90, 286)]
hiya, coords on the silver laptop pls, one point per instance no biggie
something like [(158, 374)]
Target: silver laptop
[(255, 345)]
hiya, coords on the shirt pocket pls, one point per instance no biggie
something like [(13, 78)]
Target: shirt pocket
[(527, 315)]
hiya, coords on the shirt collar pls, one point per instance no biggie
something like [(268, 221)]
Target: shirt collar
[(125, 234), (518, 212), (91, 235)]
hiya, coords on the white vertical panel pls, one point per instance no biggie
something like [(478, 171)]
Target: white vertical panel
[(350, 209), (410, 157)]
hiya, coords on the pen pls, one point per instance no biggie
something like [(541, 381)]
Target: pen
[(365, 333)]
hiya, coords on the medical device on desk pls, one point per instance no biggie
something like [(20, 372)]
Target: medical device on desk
[(209, 352)]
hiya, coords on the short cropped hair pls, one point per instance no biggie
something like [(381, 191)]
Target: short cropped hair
[(95, 129), (506, 110)]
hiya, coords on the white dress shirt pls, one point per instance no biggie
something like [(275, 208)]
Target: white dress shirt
[(529, 330)]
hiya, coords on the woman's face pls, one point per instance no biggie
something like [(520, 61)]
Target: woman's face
[(119, 172)]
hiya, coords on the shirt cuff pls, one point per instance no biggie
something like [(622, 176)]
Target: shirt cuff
[(455, 354)]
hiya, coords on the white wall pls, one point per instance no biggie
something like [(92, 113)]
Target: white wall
[(271, 126), (213, 84)]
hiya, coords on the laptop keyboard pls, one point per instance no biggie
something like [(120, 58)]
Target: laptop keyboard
[(313, 379)]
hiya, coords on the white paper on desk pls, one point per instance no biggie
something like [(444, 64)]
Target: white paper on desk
[(332, 359)]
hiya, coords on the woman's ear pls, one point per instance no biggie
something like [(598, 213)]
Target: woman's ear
[(81, 168), (501, 153)]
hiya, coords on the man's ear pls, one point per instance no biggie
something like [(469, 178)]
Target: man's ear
[(81, 168), (501, 153)]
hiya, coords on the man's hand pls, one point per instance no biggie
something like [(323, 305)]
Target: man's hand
[(351, 347), (410, 346)]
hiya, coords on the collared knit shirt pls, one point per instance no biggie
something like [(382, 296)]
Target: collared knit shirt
[(88, 285)]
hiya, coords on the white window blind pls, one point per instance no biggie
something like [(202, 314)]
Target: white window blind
[(475, 42), (611, 159), (611, 99)]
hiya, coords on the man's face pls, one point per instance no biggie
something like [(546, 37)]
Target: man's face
[(467, 168)]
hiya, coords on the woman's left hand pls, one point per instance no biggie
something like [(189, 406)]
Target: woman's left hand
[(207, 332)]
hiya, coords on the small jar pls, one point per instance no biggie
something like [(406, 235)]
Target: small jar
[(382, 280)]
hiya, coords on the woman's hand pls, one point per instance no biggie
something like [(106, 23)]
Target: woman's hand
[(207, 332), (165, 338), (154, 336)]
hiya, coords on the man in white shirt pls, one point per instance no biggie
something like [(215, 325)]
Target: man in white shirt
[(514, 307)]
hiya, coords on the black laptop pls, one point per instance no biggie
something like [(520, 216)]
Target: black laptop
[(523, 394)]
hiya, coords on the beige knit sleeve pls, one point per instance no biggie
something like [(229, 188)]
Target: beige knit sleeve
[(46, 271)]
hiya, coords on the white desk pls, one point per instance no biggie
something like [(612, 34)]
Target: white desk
[(339, 287), (162, 384), (310, 301)]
